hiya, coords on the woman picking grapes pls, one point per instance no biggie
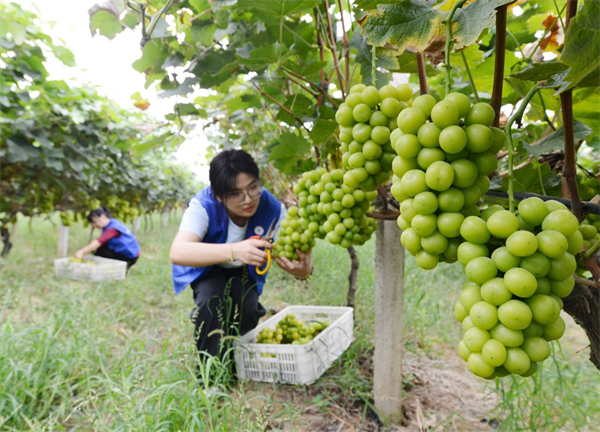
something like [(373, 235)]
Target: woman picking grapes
[(215, 254), (116, 241)]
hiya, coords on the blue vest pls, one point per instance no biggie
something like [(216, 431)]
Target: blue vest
[(125, 244), (269, 208)]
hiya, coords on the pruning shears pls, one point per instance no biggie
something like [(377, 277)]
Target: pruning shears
[(268, 237)]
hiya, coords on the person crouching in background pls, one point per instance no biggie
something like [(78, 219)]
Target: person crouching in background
[(116, 241)]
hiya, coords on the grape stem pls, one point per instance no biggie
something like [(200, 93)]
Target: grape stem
[(591, 250), (450, 43), (462, 54), (516, 117), (422, 74), (566, 102), (496, 101), (374, 65)]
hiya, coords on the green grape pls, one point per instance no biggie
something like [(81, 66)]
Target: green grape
[(444, 114)]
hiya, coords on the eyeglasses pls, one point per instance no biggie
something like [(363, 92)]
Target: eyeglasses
[(239, 197)]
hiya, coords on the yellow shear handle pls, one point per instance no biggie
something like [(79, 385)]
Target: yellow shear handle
[(268, 265)]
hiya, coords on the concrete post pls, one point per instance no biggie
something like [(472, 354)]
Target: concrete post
[(389, 299), (13, 230), (63, 241), (136, 225), (164, 219)]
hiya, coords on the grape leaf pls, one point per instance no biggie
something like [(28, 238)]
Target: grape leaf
[(64, 55), (300, 105), (200, 6), (415, 26), (407, 25), (105, 23), (527, 178), (20, 150), (260, 57), (288, 151), (472, 19), (540, 71), (322, 131), (153, 55), (187, 109), (386, 58), (203, 32), (555, 141), (582, 44), (272, 11)]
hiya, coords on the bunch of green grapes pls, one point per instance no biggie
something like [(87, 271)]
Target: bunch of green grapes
[(446, 151), (333, 209), (290, 330), (519, 269), (588, 183), (67, 218), (367, 119), (295, 233), (81, 261), (591, 236)]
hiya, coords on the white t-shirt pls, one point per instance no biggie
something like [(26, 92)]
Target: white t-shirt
[(195, 220)]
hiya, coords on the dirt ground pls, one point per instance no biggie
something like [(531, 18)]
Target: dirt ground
[(439, 395)]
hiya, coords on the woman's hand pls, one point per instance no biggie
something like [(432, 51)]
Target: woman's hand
[(248, 251), (301, 269), (80, 253)]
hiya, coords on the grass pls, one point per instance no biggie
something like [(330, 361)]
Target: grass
[(120, 356)]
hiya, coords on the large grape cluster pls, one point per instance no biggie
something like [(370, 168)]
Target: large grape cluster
[(367, 119), (519, 268), (327, 208), (291, 330), (446, 150)]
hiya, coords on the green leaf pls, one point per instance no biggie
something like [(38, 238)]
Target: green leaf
[(260, 57), (64, 55), (527, 179), (540, 71), (150, 144), (472, 19), (20, 150), (153, 55), (203, 32), (407, 24), (483, 74), (312, 68), (186, 87), (300, 105), (288, 151), (131, 19), (272, 11), (582, 43), (322, 131), (363, 58), (18, 32), (187, 109), (555, 141), (200, 6), (105, 23)]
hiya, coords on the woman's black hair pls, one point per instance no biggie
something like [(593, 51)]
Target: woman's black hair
[(97, 213), (225, 167)]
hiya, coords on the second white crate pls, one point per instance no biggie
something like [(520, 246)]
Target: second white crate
[(105, 269)]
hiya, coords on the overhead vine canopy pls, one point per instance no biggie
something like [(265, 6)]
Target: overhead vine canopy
[(66, 148)]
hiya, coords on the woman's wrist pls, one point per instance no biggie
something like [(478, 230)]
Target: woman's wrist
[(231, 253), (308, 275)]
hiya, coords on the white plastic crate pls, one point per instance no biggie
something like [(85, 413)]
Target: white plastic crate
[(105, 269), (296, 364)]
